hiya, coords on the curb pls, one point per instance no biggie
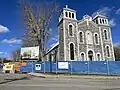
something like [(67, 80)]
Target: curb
[(37, 75), (72, 76)]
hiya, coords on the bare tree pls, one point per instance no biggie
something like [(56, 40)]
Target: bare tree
[(117, 53), (16, 55), (37, 21)]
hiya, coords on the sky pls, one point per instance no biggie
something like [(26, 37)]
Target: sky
[(11, 27)]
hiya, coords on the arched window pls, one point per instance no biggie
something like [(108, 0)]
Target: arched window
[(72, 15), (81, 36), (96, 39), (66, 14), (82, 57), (70, 30), (69, 14), (89, 38), (100, 21), (96, 21), (90, 55), (105, 34), (107, 51), (98, 56), (71, 51), (103, 21)]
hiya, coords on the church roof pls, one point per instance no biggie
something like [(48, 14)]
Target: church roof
[(55, 45)]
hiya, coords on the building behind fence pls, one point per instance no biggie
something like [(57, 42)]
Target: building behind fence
[(88, 39), (76, 67)]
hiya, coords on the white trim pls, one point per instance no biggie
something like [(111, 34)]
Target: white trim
[(64, 40), (97, 56), (77, 41), (93, 54), (101, 38), (73, 28), (74, 51), (97, 38), (82, 36), (84, 56), (112, 45)]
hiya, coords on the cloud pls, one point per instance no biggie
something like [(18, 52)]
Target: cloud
[(117, 44), (118, 11), (104, 11), (12, 41), (3, 53), (3, 29), (112, 22)]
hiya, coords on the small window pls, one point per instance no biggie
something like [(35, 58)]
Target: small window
[(108, 51), (103, 21), (69, 15), (71, 51), (96, 21), (100, 21), (96, 39), (66, 14), (72, 15), (82, 57), (105, 34), (81, 37), (98, 57), (70, 30)]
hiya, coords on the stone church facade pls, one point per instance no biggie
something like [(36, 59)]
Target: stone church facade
[(88, 39)]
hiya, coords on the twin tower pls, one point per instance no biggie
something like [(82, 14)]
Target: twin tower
[(88, 39)]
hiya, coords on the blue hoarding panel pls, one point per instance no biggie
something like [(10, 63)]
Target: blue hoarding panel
[(114, 67), (47, 66), (79, 67), (98, 67)]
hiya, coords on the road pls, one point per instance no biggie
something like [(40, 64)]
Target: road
[(27, 82)]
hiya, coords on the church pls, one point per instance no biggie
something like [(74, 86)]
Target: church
[(88, 39)]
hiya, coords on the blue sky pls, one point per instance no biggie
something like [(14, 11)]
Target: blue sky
[(11, 28)]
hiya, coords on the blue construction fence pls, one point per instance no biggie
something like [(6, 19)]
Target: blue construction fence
[(74, 67)]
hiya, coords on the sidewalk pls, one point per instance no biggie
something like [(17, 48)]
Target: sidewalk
[(42, 75)]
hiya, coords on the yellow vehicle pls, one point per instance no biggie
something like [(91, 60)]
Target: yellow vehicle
[(8, 68)]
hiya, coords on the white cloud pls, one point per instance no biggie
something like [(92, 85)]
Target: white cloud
[(3, 53), (112, 22), (12, 41), (3, 29), (116, 44), (104, 11), (118, 11)]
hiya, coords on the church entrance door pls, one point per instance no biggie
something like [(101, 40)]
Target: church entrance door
[(90, 55)]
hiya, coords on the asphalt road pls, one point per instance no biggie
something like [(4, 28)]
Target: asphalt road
[(27, 82)]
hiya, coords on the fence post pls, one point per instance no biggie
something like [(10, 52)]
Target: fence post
[(44, 66), (56, 66), (32, 66), (108, 68), (88, 68), (71, 67)]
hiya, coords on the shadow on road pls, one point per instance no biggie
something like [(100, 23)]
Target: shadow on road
[(15, 79)]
